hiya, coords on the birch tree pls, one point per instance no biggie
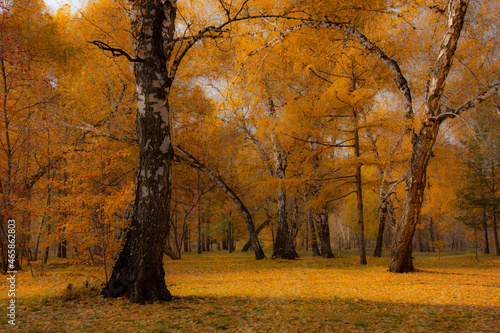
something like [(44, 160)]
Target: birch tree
[(435, 113), (138, 272)]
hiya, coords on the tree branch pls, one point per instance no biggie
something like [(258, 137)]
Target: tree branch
[(88, 128), (329, 145), (115, 52), (449, 113), (52, 163), (342, 197)]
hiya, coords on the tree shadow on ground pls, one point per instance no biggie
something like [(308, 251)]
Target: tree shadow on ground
[(245, 314)]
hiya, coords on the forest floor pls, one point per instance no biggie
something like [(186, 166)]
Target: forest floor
[(218, 292)]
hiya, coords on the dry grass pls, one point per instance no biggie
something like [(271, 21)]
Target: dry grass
[(234, 293)]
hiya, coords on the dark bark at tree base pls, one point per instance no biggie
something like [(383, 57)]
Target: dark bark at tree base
[(61, 249), (387, 214), (289, 254), (382, 219), (283, 245), (380, 240), (485, 230), (148, 289), (314, 241), (171, 253), (328, 255), (495, 229), (321, 218), (141, 281), (361, 223), (315, 249), (405, 266), (247, 246), (138, 273)]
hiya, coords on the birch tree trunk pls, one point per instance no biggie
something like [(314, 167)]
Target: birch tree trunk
[(401, 250), (283, 244), (423, 142), (138, 272)]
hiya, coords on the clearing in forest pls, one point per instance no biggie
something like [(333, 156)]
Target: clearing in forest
[(235, 293)]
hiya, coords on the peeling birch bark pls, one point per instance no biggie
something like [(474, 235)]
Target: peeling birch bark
[(138, 272)]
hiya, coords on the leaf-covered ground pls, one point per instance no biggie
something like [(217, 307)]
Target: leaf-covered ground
[(233, 293)]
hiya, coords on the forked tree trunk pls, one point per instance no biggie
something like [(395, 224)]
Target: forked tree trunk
[(248, 244), (138, 272), (283, 244), (321, 218), (433, 116), (386, 214)]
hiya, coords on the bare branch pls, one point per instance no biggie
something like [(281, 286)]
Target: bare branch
[(115, 52), (448, 113), (52, 163), (319, 76), (394, 184), (335, 145), (88, 128), (342, 197), (261, 149)]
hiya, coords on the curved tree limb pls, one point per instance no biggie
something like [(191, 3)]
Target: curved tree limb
[(449, 113), (189, 159), (115, 52)]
